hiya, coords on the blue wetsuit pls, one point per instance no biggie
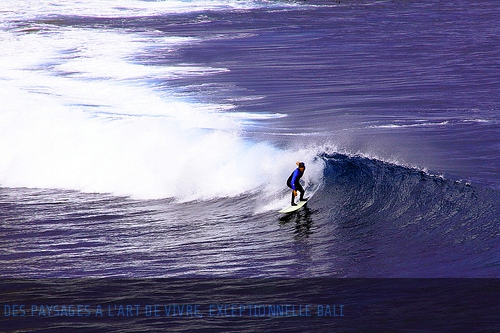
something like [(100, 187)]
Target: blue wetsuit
[(293, 180), (294, 184)]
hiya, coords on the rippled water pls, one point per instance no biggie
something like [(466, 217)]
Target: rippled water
[(153, 139)]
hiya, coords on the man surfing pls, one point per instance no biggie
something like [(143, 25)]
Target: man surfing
[(294, 184)]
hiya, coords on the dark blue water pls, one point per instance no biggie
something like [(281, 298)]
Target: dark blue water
[(154, 139)]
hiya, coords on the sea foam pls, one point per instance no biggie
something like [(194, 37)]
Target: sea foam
[(78, 112)]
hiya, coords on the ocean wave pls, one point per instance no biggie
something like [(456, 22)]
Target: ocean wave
[(407, 217), (30, 9), (80, 112)]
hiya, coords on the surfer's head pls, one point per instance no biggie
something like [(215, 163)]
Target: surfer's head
[(302, 166)]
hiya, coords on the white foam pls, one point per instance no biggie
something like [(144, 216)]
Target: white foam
[(277, 201), (78, 113), (420, 124), (112, 8), (30, 9)]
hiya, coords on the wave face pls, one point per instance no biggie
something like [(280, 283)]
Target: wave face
[(383, 216)]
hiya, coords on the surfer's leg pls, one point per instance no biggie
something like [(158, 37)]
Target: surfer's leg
[(293, 196), (302, 191), (293, 200)]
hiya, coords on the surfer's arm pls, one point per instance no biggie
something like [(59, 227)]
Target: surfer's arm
[(294, 178)]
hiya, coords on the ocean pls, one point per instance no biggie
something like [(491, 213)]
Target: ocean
[(153, 140)]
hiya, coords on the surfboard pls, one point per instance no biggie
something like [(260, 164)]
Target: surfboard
[(291, 209)]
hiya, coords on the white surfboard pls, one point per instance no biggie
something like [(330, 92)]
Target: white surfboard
[(291, 209)]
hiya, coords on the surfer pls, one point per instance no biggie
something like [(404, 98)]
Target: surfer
[(294, 184)]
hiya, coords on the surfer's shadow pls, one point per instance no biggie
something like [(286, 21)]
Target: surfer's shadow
[(303, 222)]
